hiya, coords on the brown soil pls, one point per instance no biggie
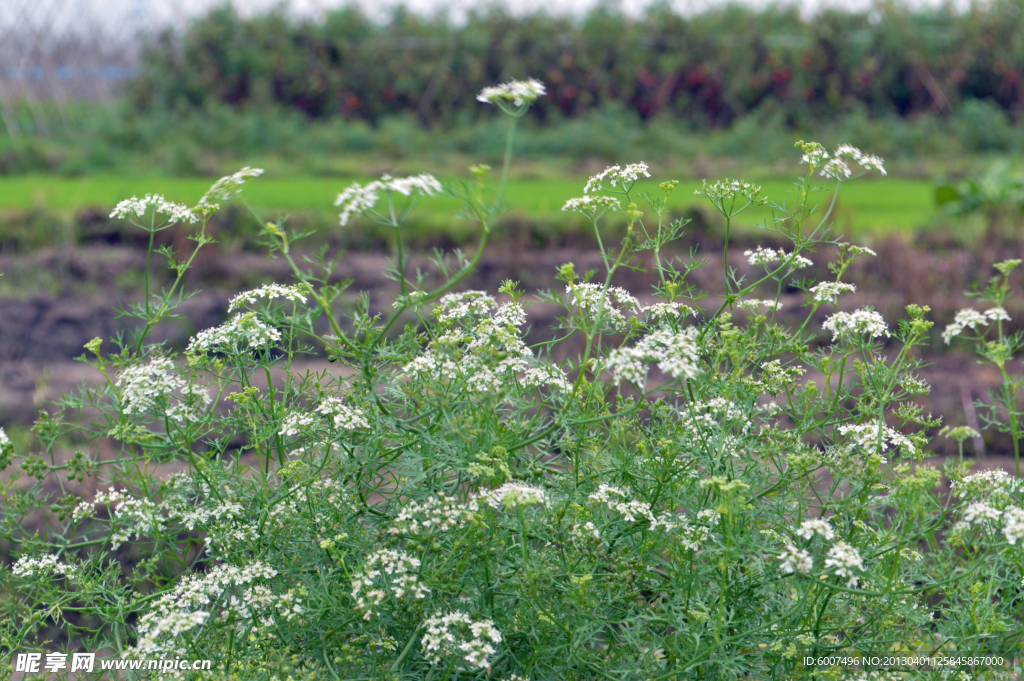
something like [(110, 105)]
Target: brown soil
[(43, 332)]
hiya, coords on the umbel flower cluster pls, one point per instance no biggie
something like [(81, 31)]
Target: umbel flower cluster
[(578, 483)]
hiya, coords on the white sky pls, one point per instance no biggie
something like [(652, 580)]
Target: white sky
[(119, 15)]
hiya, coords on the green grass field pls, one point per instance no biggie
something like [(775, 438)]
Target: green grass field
[(868, 206)]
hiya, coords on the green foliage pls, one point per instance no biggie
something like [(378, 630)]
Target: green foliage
[(649, 490), (706, 70)]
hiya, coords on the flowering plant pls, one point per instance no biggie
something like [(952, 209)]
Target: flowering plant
[(672, 499)]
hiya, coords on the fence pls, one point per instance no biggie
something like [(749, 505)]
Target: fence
[(55, 53)]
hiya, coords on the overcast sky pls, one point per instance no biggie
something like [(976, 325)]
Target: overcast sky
[(122, 15)]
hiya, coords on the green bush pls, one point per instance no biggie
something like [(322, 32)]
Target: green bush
[(644, 490)]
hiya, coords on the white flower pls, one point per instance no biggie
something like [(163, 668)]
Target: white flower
[(458, 634), (242, 331), (345, 418), (986, 484), (727, 190), (547, 375), (514, 494), (229, 187), (519, 92), (4, 440), (764, 256), (593, 298), (662, 312), (592, 205), (1013, 528), (796, 560), (844, 558), (836, 168), (175, 212), (386, 573), (190, 408), (675, 353), (856, 323), (633, 510), (357, 199), (877, 436), (436, 514), (971, 319), (980, 513), (44, 566), (294, 422), (145, 384), (454, 306), (830, 291), (617, 177), (754, 305), (809, 528), (269, 291)]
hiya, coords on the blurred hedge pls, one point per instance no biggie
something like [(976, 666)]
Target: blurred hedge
[(705, 71)]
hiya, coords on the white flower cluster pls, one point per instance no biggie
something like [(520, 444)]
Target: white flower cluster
[(727, 190), (795, 560), (270, 292), (175, 212), (436, 514), (660, 313), (877, 437), (632, 510), (295, 422), (766, 256), (190, 408), (856, 323), (675, 353), (458, 634), (592, 205), (835, 166), (830, 291), (844, 558), (470, 353), (386, 572), (455, 306), (181, 608), (971, 319), (980, 513), (171, 626), (357, 199), (995, 483), (519, 92), (548, 375), (1013, 525), (588, 531), (513, 495), (754, 305), (809, 528), (204, 515), (229, 187), (345, 418), (139, 517), (776, 378), (242, 332), (701, 418), (44, 566), (983, 515), (592, 298), (617, 176), (144, 384)]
